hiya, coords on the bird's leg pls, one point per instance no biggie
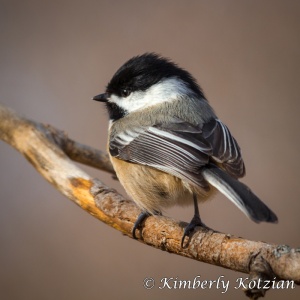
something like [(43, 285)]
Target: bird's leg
[(196, 221), (141, 218)]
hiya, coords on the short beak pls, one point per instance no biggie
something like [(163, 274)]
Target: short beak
[(101, 97)]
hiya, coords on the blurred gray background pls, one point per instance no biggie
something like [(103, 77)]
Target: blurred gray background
[(56, 55)]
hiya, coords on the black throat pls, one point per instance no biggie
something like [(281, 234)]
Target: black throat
[(115, 112)]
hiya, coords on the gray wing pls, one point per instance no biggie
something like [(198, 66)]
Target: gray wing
[(177, 148), (226, 150)]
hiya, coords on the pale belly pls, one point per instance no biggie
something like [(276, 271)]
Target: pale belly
[(152, 189)]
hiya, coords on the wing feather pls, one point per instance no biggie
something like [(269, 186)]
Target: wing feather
[(226, 150), (166, 151), (180, 148)]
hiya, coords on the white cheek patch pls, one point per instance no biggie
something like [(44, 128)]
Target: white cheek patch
[(116, 99), (167, 90)]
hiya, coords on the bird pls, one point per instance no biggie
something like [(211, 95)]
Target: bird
[(167, 145)]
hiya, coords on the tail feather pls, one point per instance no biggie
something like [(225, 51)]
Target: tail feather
[(239, 194)]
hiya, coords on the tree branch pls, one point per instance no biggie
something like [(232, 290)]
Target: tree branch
[(78, 152), (50, 152)]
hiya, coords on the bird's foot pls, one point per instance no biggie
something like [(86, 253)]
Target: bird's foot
[(142, 216), (196, 221)]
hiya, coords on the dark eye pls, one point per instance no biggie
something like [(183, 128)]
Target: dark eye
[(125, 92)]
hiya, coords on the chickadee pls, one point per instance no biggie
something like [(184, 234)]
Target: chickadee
[(168, 146)]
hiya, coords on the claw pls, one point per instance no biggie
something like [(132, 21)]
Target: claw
[(142, 216), (196, 221)]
